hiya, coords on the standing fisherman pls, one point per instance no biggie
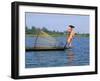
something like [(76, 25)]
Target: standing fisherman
[(70, 36)]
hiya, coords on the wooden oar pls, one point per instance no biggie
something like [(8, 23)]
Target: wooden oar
[(65, 45)]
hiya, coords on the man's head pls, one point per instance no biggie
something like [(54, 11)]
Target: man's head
[(70, 28)]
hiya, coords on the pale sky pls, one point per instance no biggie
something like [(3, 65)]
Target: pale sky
[(58, 22)]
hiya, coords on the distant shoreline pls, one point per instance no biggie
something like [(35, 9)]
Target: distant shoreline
[(58, 35), (34, 31)]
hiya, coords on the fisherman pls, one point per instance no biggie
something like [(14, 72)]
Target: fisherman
[(70, 35)]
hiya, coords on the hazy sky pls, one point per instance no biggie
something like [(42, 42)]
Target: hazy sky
[(58, 22)]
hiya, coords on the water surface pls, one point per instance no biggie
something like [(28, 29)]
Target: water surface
[(77, 56)]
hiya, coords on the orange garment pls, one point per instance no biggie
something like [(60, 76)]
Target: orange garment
[(70, 36)]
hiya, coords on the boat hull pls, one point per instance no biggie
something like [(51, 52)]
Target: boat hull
[(46, 49)]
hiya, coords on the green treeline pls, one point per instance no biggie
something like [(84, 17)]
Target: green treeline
[(33, 31)]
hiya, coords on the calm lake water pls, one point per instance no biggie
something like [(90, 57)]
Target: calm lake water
[(76, 56)]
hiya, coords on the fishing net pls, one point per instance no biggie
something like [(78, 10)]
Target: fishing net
[(44, 40)]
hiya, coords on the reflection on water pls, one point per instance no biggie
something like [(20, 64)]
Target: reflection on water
[(70, 56), (76, 56)]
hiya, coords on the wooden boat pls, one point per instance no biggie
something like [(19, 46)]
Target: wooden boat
[(46, 48)]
